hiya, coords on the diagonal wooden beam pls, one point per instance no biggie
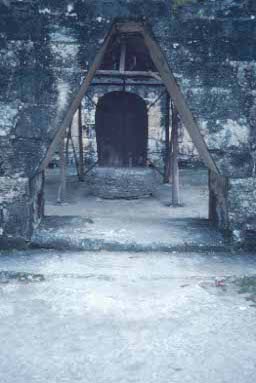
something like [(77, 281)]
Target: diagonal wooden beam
[(77, 100), (178, 99)]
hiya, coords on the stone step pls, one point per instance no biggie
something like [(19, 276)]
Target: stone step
[(76, 233)]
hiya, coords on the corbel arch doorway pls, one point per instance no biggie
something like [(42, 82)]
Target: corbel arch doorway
[(121, 130)]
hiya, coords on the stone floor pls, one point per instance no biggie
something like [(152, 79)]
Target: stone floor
[(89, 223), (163, 316), (127, 317)]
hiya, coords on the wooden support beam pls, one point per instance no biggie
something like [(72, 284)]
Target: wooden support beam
[(167, 77), (167, 168), (155, 75), (62, 186), (174, 162), (80, 143), (122, 57), (77, 100), (128, 73), (128, 83), (212, 202), (67, 145), (75, 156)]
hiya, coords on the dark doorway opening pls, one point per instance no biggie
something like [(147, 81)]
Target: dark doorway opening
[(121, 130)]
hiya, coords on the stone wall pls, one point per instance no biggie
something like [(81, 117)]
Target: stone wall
[(214, 60), (21, 208), (15, 208), (242, 207), (46, 46)]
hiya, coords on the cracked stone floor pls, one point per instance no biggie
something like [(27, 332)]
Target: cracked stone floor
[(127, 317), (85, 222)]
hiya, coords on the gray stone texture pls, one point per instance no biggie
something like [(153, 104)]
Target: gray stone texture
[(126, 317), (129, 183), (21, 208), (46, 47), (242, 207)]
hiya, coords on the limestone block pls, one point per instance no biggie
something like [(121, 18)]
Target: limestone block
[(14, 207), (128, 183)]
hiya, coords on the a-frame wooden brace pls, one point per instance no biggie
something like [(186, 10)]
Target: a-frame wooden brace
[(166, 76)]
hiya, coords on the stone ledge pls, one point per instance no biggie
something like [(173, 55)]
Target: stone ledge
[(127, 183)]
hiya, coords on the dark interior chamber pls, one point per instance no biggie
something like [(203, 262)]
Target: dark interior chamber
[(121, 130)]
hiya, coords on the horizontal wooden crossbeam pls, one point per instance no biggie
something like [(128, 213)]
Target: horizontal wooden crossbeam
[(117, 73)]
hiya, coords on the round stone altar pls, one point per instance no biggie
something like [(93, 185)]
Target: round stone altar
[(127, 183)]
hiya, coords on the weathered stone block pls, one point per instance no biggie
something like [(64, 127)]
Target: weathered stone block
[(9, 113), (241, 200), (15, 208), (21, 208), (241, 208), (128, 183)]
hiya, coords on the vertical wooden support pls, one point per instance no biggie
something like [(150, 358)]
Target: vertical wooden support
[(70, 140), (67, 145), (75, 156), (167, 168), (62, 187), (122, 57), (80, 142), (212, 201), (174, 163)]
